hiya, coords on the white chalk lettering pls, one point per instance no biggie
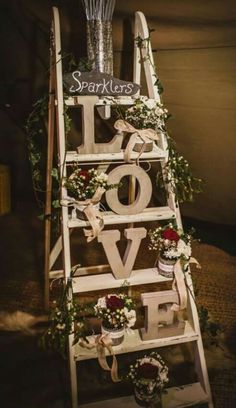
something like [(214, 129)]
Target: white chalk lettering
[(129, 88), (74, 75), (91, 87), (84, 85), (98, 86), (105, 84)]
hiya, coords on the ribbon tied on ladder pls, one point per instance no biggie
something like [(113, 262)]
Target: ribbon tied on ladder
[(94, 216), (144, 135)]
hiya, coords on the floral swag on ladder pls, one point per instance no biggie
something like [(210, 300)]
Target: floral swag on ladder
[(85, 189)]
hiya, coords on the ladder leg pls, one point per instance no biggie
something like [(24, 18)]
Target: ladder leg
[(201, 369), (141, 29), (73, 374), (48, 203)]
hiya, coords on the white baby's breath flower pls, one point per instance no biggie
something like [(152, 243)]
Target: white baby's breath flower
[(171, 253), (150, 103), (60, 326), (101, 303), (130, 316), (184, 249)]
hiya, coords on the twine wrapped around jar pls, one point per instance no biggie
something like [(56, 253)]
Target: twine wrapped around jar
[(116, 335), (99, 34)]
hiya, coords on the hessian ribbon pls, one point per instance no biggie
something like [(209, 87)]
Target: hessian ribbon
[(180, 286), (103, 342), (144, 134), (93, 215)]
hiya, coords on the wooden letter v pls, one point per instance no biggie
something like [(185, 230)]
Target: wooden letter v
[(122, 269)]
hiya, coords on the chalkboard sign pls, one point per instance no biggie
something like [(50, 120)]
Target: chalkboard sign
[(96, 83)]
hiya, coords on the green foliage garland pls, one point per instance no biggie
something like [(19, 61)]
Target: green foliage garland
[(66, 318)]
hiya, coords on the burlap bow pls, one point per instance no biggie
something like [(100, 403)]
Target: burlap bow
[(103, 342), (180, 286), (144, 134), (94, 216)]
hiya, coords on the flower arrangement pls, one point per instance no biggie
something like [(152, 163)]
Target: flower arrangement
[(146, 113), (116, 311), (171, 243), (66, 318), (177, 174), (149, 376), (82, 184)]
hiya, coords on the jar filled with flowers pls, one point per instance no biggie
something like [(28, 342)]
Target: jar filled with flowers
[(171, 244), (86, 187), (117, 313), (149, 375)]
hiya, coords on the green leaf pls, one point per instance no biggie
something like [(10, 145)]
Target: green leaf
[(54, 173), (56, 204)]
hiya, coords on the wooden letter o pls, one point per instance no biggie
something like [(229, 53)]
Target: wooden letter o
[(144, 190)]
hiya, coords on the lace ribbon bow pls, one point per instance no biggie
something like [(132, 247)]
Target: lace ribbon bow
[(144, 134), (93, 215), (101, 343)]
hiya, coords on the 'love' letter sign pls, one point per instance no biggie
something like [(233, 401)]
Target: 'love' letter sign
[(144, 190), (122, 268), (159, 318)]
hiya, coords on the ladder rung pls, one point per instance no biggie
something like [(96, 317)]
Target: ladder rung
[(108, 100), (155, 155), (149, 214), (86, 270), (107, 281), (133, 342), (175, 397)]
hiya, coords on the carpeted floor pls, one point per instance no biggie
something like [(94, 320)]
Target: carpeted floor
[(32, 378)]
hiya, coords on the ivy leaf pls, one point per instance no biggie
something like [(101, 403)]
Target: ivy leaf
[(159, 86), (56, 204), (54, 173)]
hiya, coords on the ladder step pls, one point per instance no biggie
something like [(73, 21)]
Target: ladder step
[(133, 342), (103, 101), (175, 397), (107, 281), (155, 155), (149, 214)]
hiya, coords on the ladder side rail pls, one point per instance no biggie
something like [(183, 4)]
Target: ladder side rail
[(137, 62), (141, 29), (64, 221), (50, 145), (61, 140), (200, 362)]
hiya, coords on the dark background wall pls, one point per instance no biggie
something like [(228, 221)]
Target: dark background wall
[(195, 51)]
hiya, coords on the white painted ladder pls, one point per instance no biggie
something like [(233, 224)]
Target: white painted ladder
[(190, 394)]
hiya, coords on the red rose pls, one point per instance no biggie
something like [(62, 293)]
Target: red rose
[(85, 174), (148, 370), (114, 302), (170, 234)]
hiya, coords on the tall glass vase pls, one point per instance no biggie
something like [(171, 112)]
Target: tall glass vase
[(99, 34), (99, 45)]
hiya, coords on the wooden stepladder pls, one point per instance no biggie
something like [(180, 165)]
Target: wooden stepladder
[(187, 395)]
